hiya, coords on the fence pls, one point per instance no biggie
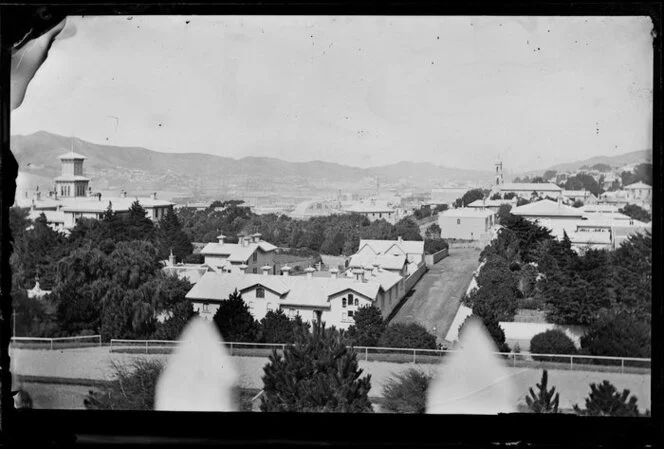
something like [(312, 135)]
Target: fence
[(56, 343), (434, 258), (414, 277), (416, 356)]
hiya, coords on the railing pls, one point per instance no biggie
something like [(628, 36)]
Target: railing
[(56, 343), (421, 356)]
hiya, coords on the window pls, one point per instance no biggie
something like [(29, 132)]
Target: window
[(350, 314), (343, 302), (206, 308), (357, 302), (458, 221), (350, 300), (255, 257), (255, 270), (344, 316), (260, 292)]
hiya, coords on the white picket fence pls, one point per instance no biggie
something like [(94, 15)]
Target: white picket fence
[(57, 343)]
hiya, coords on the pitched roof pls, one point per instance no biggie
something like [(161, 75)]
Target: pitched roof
[(546, 208), (118, 204), (638, 185), (193, 273), (52, 216), (386, 261), (492, 203), (583, 193), (589, 238), (236, 252), (382, 246), (529, 186), (467, 212), (373, 208), (71, 155), (219, 286)]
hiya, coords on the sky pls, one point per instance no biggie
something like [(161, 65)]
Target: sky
[(365, 91)]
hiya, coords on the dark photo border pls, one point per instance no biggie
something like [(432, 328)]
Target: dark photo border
[(80, 428)]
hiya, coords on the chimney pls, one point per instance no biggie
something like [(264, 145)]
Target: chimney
[(99, 196), (334, 271), (375, 269), (266, 269), (285, 270), (124, 195), (243, 268), (310, 272), (221, 238), (399, 239), (359, 273), (368, 270), (154, 195), (171, 259)]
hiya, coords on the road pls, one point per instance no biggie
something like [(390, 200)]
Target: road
[(436, 297)]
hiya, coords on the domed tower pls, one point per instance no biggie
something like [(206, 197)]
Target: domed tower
[(71, 182)]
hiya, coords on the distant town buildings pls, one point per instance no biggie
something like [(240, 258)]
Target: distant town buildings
[(389, 255), (251, 255), (493, 205), (527, 189), (377, 210)]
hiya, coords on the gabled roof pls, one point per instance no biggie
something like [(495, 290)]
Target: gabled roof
[(71, 155), (383, 246), (529, 186), (386, 261), (467, 212), (638, 185), (52, 216), (492, 203), (219, 286), (236, 252), (546, 208)]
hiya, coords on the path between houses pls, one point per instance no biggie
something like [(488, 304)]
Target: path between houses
[(437, 296)]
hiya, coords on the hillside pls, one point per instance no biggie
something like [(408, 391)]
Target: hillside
[(135, 168), (635, 157)]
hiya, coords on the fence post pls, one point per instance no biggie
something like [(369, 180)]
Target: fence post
[(111, 345), (146, 346), (571, 362), (283, 348), (622, 366), (514, 359), (366, 354), (51, 344), (414, 355), (231, 348), (100, 341)]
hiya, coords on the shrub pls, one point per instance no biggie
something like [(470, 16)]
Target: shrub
[(406, 392), (132, 389), (411, 335), (619, 336), (545, 401), (434, 245), (531, 304), (368, 328), (276, 327), (316, 374), (234, 321), (605, 400), (492, 326), (552, 342)]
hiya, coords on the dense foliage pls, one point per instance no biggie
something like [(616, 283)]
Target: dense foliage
[(636, 212), (319, 373), (470, 196), (368, 327), (432, 246), (133, 388), (411, 335), (234, 320), (276, 327), (640, 173), (552, 342), (492, 326), (583, 181), (406, 392), (605, 400)]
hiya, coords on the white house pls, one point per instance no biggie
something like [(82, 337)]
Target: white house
[(547, 209), (467, 223), (585, 196), (639, 191), (376, 210), (250, 250), (333, 299), (371, 252), (494, 205)]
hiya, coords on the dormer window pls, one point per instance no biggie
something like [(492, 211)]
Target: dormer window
[(260, 292), (343, 302), (350, 299)]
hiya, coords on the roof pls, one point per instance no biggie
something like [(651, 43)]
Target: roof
[(298, 290), (546, 208), (385, 261), (599, 208), (638, 185), (42, 203), (92, 204), (71, 155), (52, 216), (607, 216), (584, 193), (492, 203), (235, 251), (467, 212), (529, 186), (71, 178), (580, 238), (383, 246), (370, 208), (192, 273)]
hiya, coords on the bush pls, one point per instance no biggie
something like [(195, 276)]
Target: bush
[(234, 321), (132, 389), (316, 374), (432, 246), (605, 400), (492, 326), (406, 392), (545, 401), (552, 342), (531, 304), (412, 335), (619, 336), (368, 328), (276, 327)]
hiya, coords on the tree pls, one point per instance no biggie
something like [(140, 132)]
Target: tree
[(276, 327), (171, 236), (316, 374), (411, 335), (621, 335), (577, 204), (496, 196), (496, 291), (583, 181), (470, 196), (234, 321), (433, 231), (509, 195), (407, 392), (640, 173), (601, 167), (432, 246), (538, 180), (636, 212), (368, 328), (545, 401), (605, 400), (549, 175), (552, 342), (408, 230), (521, 202), (136, 224), (503, 212)]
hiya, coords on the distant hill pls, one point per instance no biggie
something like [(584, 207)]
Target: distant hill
[(135, 168), (635, 157)]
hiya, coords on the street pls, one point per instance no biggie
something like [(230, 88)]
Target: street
[(436, 297)]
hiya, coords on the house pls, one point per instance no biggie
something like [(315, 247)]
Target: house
[(394, 263), (466, 223), (547, 209), (494, 205), (526, 189), (375, 210), (191, 272), (584, 196), (584, 240), (333, 300), (250, 250), (592, 209), (72, 199), (639, 191), (371, 252)]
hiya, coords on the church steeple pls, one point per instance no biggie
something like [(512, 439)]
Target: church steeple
[(499, 172)]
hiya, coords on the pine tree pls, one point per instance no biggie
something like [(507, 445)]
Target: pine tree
[(170, 236), (545, 401), (605, 400), (276, 327), (316, 374), (368, 328), (234, 320)]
